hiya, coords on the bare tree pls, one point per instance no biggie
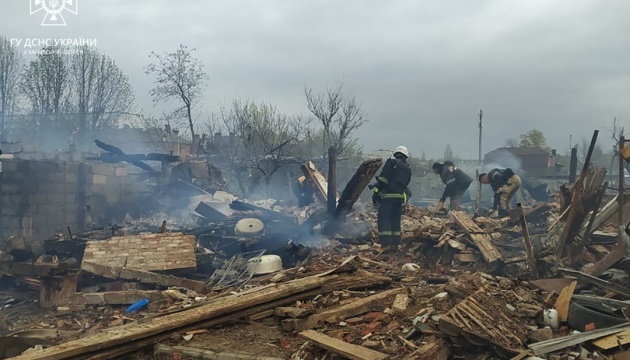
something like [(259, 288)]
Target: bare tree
[(102, 91), (339, 115), (261, 140), (179, 76), (46, 85), (10, 68)]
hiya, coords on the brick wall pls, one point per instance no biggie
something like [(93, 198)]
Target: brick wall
[(39, 198), (148, 252)]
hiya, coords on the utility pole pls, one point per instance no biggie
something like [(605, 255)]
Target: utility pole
[(480, 132)]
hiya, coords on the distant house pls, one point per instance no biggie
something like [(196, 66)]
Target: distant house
[(531, 161)]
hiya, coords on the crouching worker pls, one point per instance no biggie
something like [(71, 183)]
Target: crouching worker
[(391, 192), (505, 183), (456, 181)]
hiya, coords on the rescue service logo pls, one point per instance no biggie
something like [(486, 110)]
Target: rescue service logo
[(54, 10)]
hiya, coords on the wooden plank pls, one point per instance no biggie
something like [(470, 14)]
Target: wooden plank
[(613, 341), (32, 269), (350, 351), (478, 236), (584, 199), (606, 262), (197, 353), (171, 322), (361, 178), (549, 346), (528, 243), (332, 315), (145, 277), (340, 283), (563, 301), (582, 277), (550, 285), (433, 348), (317, 179)]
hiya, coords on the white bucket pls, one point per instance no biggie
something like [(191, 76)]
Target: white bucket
[(550, 318)]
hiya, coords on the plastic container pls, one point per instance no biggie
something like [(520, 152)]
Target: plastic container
[(137, 306), (550, 318)]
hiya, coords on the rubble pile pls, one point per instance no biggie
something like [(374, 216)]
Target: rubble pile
[(550, 281)]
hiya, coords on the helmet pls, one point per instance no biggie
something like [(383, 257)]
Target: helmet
[(402, 150)]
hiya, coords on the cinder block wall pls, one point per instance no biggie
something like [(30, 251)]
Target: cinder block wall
[(41, 198)]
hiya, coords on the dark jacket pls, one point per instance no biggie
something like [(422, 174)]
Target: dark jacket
[(497, 179), (455, 179), (394, 178)]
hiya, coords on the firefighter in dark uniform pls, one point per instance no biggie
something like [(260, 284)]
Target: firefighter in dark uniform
[(304, 191), (505, 183), (456, 181), (391, 192)]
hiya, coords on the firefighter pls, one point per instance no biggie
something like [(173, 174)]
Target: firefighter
[(505, 183), (304, 192), (456, 181), (391, 192)]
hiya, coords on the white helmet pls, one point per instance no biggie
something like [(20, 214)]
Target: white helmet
[(402, 150)]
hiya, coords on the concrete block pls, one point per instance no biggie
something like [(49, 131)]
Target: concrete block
[(57, 178), (104, 169), (70, 198), (122, 171), (71, 178), (99, 179), (55, 198), (11, 188)]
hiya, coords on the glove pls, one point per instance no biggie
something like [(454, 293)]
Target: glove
[(440, 205), (491, 212), (375, 198)]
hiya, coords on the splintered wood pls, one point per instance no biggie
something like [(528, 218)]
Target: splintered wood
[(489, 320), (479, 237), (345, 349), (362, 177)]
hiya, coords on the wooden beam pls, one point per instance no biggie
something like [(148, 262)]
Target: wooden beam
[(172, 322), (607, 262), (350, 351), (528, 243), (563, 301), (332, 182), (317, 179), (32, 269), (360, 180), (145, 277), (334, 314), (582, 277), (479, 237)]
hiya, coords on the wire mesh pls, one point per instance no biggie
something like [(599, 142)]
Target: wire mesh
[(236, 272)]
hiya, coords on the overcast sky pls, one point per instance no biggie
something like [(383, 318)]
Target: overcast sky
[(421, 68)]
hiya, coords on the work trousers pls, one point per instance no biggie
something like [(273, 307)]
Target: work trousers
[(456, 198), (508, 190), (389, 215)]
